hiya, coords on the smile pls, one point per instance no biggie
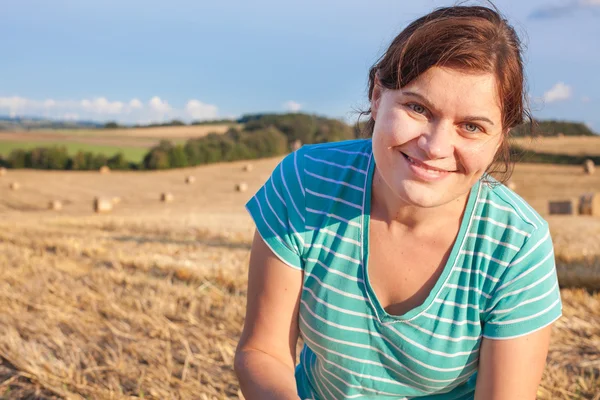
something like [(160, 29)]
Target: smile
[(425, 171)]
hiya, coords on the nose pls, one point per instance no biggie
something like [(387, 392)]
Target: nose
[(438, 141)]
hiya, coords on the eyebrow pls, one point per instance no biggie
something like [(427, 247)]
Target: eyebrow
[(430, 105)]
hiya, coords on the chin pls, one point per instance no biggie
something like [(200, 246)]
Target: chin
[(423, 196)]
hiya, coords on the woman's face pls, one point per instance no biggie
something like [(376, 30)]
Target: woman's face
[(434, 138)]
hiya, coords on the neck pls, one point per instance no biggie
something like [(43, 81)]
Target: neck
[(387, 207)]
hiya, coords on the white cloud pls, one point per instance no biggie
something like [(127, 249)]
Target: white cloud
[(101, 105), (558, 92), (585, 99), (135, 104), (562, 10), (292, 106), (71, 116), (103, 109), (13, 104), (200, 111), (159, 106)]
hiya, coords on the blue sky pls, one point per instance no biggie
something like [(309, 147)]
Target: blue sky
[(140, 61)]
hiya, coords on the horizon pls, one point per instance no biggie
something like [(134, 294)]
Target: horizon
[(152, 62)]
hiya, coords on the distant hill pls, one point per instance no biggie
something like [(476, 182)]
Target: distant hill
[(32, 123), (552, 128)]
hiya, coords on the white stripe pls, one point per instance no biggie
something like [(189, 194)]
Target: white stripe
[(339, 255), (334, 271), (351, 152), (538, 244), (439, 353), (453, 304), (290, 195), (482, 254), (352, 223), (451, 321), (364, 346), (273, 210), (500, 224), (332, 233), (333, 289), (358, 386), (491, 239), (315, 379), (360, 360), (443, 337), (476, 290), (486, 276), (333, 180), (527, 206), (539, 328), (514, 321), (529, 270), (337, 165), (266, 223), (319, 371), (532, 300), (291, 225), (543, 278), (298, 173), (498, 206), (339, 200), (336, 308), (324, 385)]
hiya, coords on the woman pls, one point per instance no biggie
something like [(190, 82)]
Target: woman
[(406, 268)]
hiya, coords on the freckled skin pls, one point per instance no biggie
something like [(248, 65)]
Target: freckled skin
[(436, 127)]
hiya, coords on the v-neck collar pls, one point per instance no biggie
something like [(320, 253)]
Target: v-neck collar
[(383, 316)]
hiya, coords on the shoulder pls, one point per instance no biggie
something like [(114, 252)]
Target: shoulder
[(500, 207)]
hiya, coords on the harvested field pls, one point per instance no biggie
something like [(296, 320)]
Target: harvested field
[(573, 145), (134, 142), (148, 301)]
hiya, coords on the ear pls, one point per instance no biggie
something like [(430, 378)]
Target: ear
[(376, 97)]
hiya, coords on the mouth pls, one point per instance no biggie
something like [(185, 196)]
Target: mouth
[(427, 168)]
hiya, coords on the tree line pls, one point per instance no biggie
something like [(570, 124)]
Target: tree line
[(262, 135)]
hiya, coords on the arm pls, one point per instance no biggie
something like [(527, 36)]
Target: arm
[(266, 353), (511, 369)]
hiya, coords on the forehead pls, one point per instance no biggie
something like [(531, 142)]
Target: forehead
[(458, 91)]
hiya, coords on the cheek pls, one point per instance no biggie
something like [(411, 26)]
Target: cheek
[(478, 157), (395, 128)]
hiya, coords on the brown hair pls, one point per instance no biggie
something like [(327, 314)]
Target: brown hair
[(470, 38)]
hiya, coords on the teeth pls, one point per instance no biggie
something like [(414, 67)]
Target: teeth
[(422, 166)]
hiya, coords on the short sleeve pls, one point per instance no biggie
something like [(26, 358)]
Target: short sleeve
[(278, 210), (527, 296)]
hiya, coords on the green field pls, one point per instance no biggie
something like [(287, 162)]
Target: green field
[(134, 154)]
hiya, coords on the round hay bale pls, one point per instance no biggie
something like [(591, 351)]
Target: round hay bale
[(589, 167), (190, 179), (296, 144), (589, 204), (103, 204), (511, 185), (248, 167), (55, 205), (104, 169), (14, 186), (116, 200), (2, 171), (241, 187), (166, 197)]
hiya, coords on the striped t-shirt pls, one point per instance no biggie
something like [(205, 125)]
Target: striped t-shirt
[(499, 281)]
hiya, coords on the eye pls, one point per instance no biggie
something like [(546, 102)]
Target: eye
[(472, 128), (419, 109)]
